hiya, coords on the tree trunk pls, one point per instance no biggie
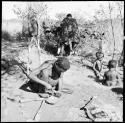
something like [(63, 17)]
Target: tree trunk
[(110, 9)]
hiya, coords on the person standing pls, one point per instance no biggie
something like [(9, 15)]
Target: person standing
[(69, 28)]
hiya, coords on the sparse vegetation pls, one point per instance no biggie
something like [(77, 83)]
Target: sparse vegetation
[(7, 36), (92, 36)]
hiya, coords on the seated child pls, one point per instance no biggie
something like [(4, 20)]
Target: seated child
[(97, 66), (111, 77)]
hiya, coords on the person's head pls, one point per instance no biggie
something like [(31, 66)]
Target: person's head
[(47, 30), (32, 17), (112, 64), (62, 64), (69, 16), (99, 55)]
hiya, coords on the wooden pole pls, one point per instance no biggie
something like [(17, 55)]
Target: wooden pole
[(29, 41), (112, 30), (123, 32)]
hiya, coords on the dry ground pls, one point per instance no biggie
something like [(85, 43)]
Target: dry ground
[(77, 78)]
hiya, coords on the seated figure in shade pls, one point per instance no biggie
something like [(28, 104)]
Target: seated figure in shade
[(111, 77)]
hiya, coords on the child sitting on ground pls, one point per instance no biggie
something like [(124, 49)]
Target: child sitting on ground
[(111, 77), (97, 66)]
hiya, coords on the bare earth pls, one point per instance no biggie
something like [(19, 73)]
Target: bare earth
[(77, 78)]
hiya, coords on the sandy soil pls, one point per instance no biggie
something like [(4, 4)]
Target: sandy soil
[(79, 79)]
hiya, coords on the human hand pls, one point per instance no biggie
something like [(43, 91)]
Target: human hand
[(100, 77), (48, 87), (57, 94), (97, 73)]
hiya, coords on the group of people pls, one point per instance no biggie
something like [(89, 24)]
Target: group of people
[(49, 75), (64, 35), (110, 77)]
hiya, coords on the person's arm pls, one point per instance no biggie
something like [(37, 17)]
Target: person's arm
[(61, 82), (33, 76), (62, 22), (76, 24), (105, 65), (35, 27), (94, 67), (102, 69), (104, 77), (119, 81), (103, 81)]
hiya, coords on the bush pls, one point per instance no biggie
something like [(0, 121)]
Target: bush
[(51, 48), (7, 36), (18, 36)]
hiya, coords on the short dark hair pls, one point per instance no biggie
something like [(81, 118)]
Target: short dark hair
[(99, 55), (112, 64), (62, 63), (69, 15)]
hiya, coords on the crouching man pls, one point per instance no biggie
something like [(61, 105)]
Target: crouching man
[(49, 75)]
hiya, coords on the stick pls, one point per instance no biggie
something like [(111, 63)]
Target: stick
[(38, 110), (86, 110), (24, 100), (30, 100), (86, 103)]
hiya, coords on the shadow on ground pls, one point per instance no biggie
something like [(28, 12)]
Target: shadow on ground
[(94, 78), (118, 90), (32, 87)]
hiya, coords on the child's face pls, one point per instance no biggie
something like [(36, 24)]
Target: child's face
[(100, 59)]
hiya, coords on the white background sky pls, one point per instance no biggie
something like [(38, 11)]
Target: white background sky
[(83, 8)]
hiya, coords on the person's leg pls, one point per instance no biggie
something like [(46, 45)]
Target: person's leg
[(114, 83), (56, 89), (67, 50), (59, 48), (74, 46), (109, 83), (97, 76), (62, 50), (70, 44)]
